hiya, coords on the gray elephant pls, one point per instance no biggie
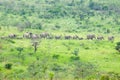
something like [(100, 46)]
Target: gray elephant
[(91, 36), (80, 38), (12, 35), (27, 35), (100, 38), (44, 35), (68, 37), (50, 37), (58, 37), (111, 38), (34, 36)]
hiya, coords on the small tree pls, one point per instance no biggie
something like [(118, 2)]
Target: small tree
[(76, 51), (35, 45), (51, 75), (118, 46)]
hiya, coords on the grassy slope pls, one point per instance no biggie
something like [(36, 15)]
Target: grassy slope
[(100, 53)]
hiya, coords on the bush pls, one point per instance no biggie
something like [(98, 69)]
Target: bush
[(57, 26), (74, 58), (104, 77), (118, 46), (76, 51), (51, 75), (56, 56), (8, 65)]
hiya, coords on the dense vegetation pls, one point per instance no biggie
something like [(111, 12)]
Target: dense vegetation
[(100, 16), (59, 59)]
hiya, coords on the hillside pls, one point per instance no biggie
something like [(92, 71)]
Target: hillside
[(59, 40), (68, 15)]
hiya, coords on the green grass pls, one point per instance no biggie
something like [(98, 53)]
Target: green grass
[(102, 54)]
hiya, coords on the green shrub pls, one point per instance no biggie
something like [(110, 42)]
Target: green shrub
[(118, 46), (105, 77), (74, 58), (8, 65), (57, 26), (76, 51), (51, 75), (56, 56)]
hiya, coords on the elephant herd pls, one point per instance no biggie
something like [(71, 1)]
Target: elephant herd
[(46, 35)]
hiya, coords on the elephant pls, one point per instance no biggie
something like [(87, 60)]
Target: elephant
[(44, 35), (91, 36), (80, 38), (100, 37), (12, 35), (58, 37), (34, 36), (68, 37), (27, 35), (50, 37), (111, 38)]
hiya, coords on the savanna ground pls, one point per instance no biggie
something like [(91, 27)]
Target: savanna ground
[(58, 59)]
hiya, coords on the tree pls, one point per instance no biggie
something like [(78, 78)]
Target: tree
[(118, 46), (51, 75), (76, 51), (35, 45)]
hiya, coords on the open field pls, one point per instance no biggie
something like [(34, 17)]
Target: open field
[(100, 54)]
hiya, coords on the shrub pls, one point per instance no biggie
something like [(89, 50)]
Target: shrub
[(76, 51), (118, 46), (51, 75), (87, 48), (8, 65), (104, 77), (57, 26), (55, 56), (74, 58)]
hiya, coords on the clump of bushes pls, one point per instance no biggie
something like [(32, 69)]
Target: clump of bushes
[(8, 65), (56, 56), (118, 46), (76, 51), (105, 77), (74, 58)]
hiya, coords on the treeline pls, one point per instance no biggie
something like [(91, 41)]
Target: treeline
[(56, 8), (14, 12)]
